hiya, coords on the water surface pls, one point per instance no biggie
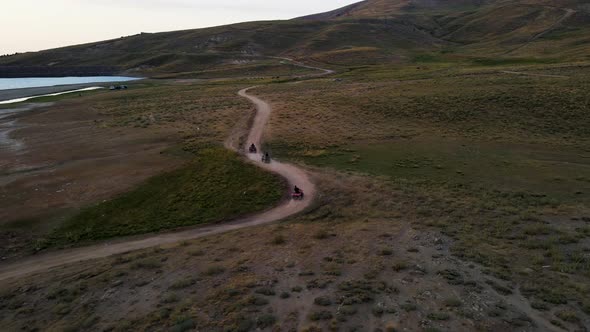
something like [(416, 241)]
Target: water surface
[(37, 82)]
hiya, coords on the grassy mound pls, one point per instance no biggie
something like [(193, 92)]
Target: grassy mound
[(216, 186)]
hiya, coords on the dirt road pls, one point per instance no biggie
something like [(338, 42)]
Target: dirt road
[(566, 15), (531, 74), (294, 175)]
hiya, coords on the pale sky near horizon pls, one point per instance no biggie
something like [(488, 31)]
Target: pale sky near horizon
[(32, 25)]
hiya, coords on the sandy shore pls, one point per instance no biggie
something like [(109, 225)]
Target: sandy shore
[(19, 93)]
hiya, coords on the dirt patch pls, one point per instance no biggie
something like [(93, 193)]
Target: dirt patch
[(58, 158)]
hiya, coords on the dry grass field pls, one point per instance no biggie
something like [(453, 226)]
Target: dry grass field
[(452, 198)]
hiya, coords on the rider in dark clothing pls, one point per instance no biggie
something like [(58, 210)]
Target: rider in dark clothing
[(297, 190)]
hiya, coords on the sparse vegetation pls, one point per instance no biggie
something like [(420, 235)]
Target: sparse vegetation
[(180, 198), (450, 179)]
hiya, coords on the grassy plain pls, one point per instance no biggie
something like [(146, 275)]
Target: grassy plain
[(497, 161), (453, 197), (215, 186), (112, 142)]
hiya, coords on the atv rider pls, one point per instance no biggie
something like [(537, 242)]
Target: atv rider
[(252, 148), (297, 190), (266, 158)]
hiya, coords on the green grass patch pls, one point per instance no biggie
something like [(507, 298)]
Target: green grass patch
[(512, 61), (216, 186), (551, 175)]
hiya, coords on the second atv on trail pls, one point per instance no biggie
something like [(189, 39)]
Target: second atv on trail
[(266, 158), (253, 149)]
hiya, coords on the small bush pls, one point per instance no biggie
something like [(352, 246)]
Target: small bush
[(439, 316), (323, 301), (184, 325), (241, 324), (348, 310), (377, 311), (321, 315), (409, 307), (147, 264), (257, 301), (196, 252), (400, 266), (278, 240), (62, 309), (170, 298), (265, 291), (321, 235), (183, 283), (214, 270), (453, 302), (266, 321), (538, 305), (297, 289), (386, 252), (567, 316)]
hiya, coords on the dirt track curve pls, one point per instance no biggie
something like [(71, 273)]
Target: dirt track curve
[(291, 173)]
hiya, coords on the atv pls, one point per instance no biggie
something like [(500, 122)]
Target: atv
[(266, 158), (297, 196)]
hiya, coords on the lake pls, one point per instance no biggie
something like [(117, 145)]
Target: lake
[(36, 82)]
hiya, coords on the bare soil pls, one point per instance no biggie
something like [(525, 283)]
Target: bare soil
[(58, 158)]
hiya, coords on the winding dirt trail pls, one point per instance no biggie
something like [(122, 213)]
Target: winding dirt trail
[(294, 175)]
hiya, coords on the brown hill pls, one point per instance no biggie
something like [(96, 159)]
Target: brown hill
[(368, 32)]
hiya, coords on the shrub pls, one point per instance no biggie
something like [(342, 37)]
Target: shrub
[(265, 291), (257, 301), (348, 310), (214, 270), (183, 325), (409, 307), (439, 316), (321, 235), (453, 302), (265, 321), (183, 283), (147, 264), (321, 315), (377, 311), (400, 266), (386, 252), (323, 301), (567, 316), (278, 240), (170, 298)]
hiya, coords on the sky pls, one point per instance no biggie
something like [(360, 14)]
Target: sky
[(33, 25)]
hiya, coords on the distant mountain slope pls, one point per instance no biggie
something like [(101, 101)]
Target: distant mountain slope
[(371, 31)]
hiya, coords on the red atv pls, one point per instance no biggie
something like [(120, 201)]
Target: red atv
[(298, 196)]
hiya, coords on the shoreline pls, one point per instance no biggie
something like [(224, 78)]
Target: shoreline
[(30, 92), (23, 99)]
